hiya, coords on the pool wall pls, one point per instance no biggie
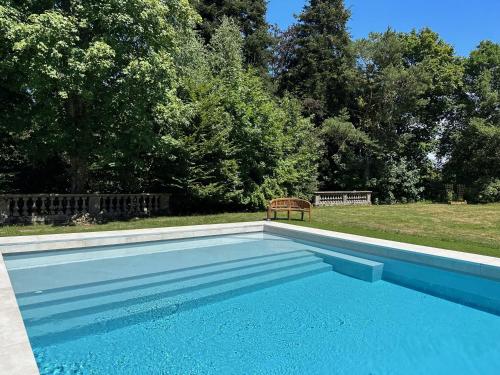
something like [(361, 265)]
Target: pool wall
[(470, 279), (462, 277)]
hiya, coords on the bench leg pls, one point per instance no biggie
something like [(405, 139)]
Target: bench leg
[(275, 215), (288, 214), (302, 216), (309, 216)]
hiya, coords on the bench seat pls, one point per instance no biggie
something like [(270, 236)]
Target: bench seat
[(289, 205)]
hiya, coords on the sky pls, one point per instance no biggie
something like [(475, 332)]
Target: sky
[(462, 23)]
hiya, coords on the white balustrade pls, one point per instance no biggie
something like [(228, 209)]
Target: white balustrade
[(33, 208), (337, 198)]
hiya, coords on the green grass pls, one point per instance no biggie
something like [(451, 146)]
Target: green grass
[(471, 228)]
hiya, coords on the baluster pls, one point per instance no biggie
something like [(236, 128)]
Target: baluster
[(28, 204), (23, 207), (128, 204), (33, 209), (118, 210), (142, 207), (45, 206), (84, 206), (14, 207), (120, 206), (61, 206), (107, 205), (52, 205), (112, 205), (57, 205), (78, 205), (135, 205), (39, 206), (156, 203), (54, 202), (65, 206)]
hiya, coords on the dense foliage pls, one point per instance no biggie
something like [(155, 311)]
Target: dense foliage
[(249, 15), (239, 145), (315, 59), (200, 98)]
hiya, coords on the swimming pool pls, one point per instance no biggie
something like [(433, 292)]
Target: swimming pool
[(252, 303)]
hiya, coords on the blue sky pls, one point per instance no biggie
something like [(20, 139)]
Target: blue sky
[(462, 23)]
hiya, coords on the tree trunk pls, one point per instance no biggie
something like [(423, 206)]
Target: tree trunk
[(78, 156), (367, 170), (79, 173)]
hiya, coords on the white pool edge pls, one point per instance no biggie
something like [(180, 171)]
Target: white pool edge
[(473, 264), (16, 356)]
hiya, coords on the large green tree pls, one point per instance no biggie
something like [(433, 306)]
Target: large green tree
[(250, 16), (97, 77), (315, 61), (405, 85), (239, 146), (471, 141)]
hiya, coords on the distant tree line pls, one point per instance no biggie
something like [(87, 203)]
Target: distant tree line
[(204, 99)]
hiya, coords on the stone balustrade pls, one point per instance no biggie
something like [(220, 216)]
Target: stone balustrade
[(335, 198), (50, 208)]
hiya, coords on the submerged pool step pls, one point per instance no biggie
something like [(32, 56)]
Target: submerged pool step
[(359, 268), (122, 308), (158, 280), (166, 286)]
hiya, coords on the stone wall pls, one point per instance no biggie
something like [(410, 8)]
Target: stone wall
[(54, 208), (336, 198)]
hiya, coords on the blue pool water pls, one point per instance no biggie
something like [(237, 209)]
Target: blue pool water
[(243, 304)]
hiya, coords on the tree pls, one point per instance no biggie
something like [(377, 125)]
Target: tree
[(315, 61), (471, 144), (482, 80), (98, 78), (250, 16), (405, 88), (343, 161), (240, 146)]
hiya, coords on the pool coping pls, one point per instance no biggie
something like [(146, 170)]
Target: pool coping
[(16, 355), (452, 260)]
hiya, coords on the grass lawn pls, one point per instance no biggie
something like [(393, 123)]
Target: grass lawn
[(471, 228)]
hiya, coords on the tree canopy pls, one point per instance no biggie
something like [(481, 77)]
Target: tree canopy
[(201, 98), (98, 81), (315, 58), (249, 15)]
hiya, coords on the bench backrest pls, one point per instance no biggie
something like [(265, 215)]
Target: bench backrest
[(290, 203)]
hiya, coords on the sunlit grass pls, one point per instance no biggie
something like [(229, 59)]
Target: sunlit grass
[(471, 228)]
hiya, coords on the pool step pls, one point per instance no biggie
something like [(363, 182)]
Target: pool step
[(359, 268), (64, 318), (136, 283)]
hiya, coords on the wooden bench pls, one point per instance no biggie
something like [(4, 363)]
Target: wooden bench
[(289, 205)]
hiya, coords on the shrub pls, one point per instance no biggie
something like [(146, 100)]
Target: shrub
[(490, 192)]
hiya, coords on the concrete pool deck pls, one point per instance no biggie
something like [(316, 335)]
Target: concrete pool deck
[(16, 356)]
